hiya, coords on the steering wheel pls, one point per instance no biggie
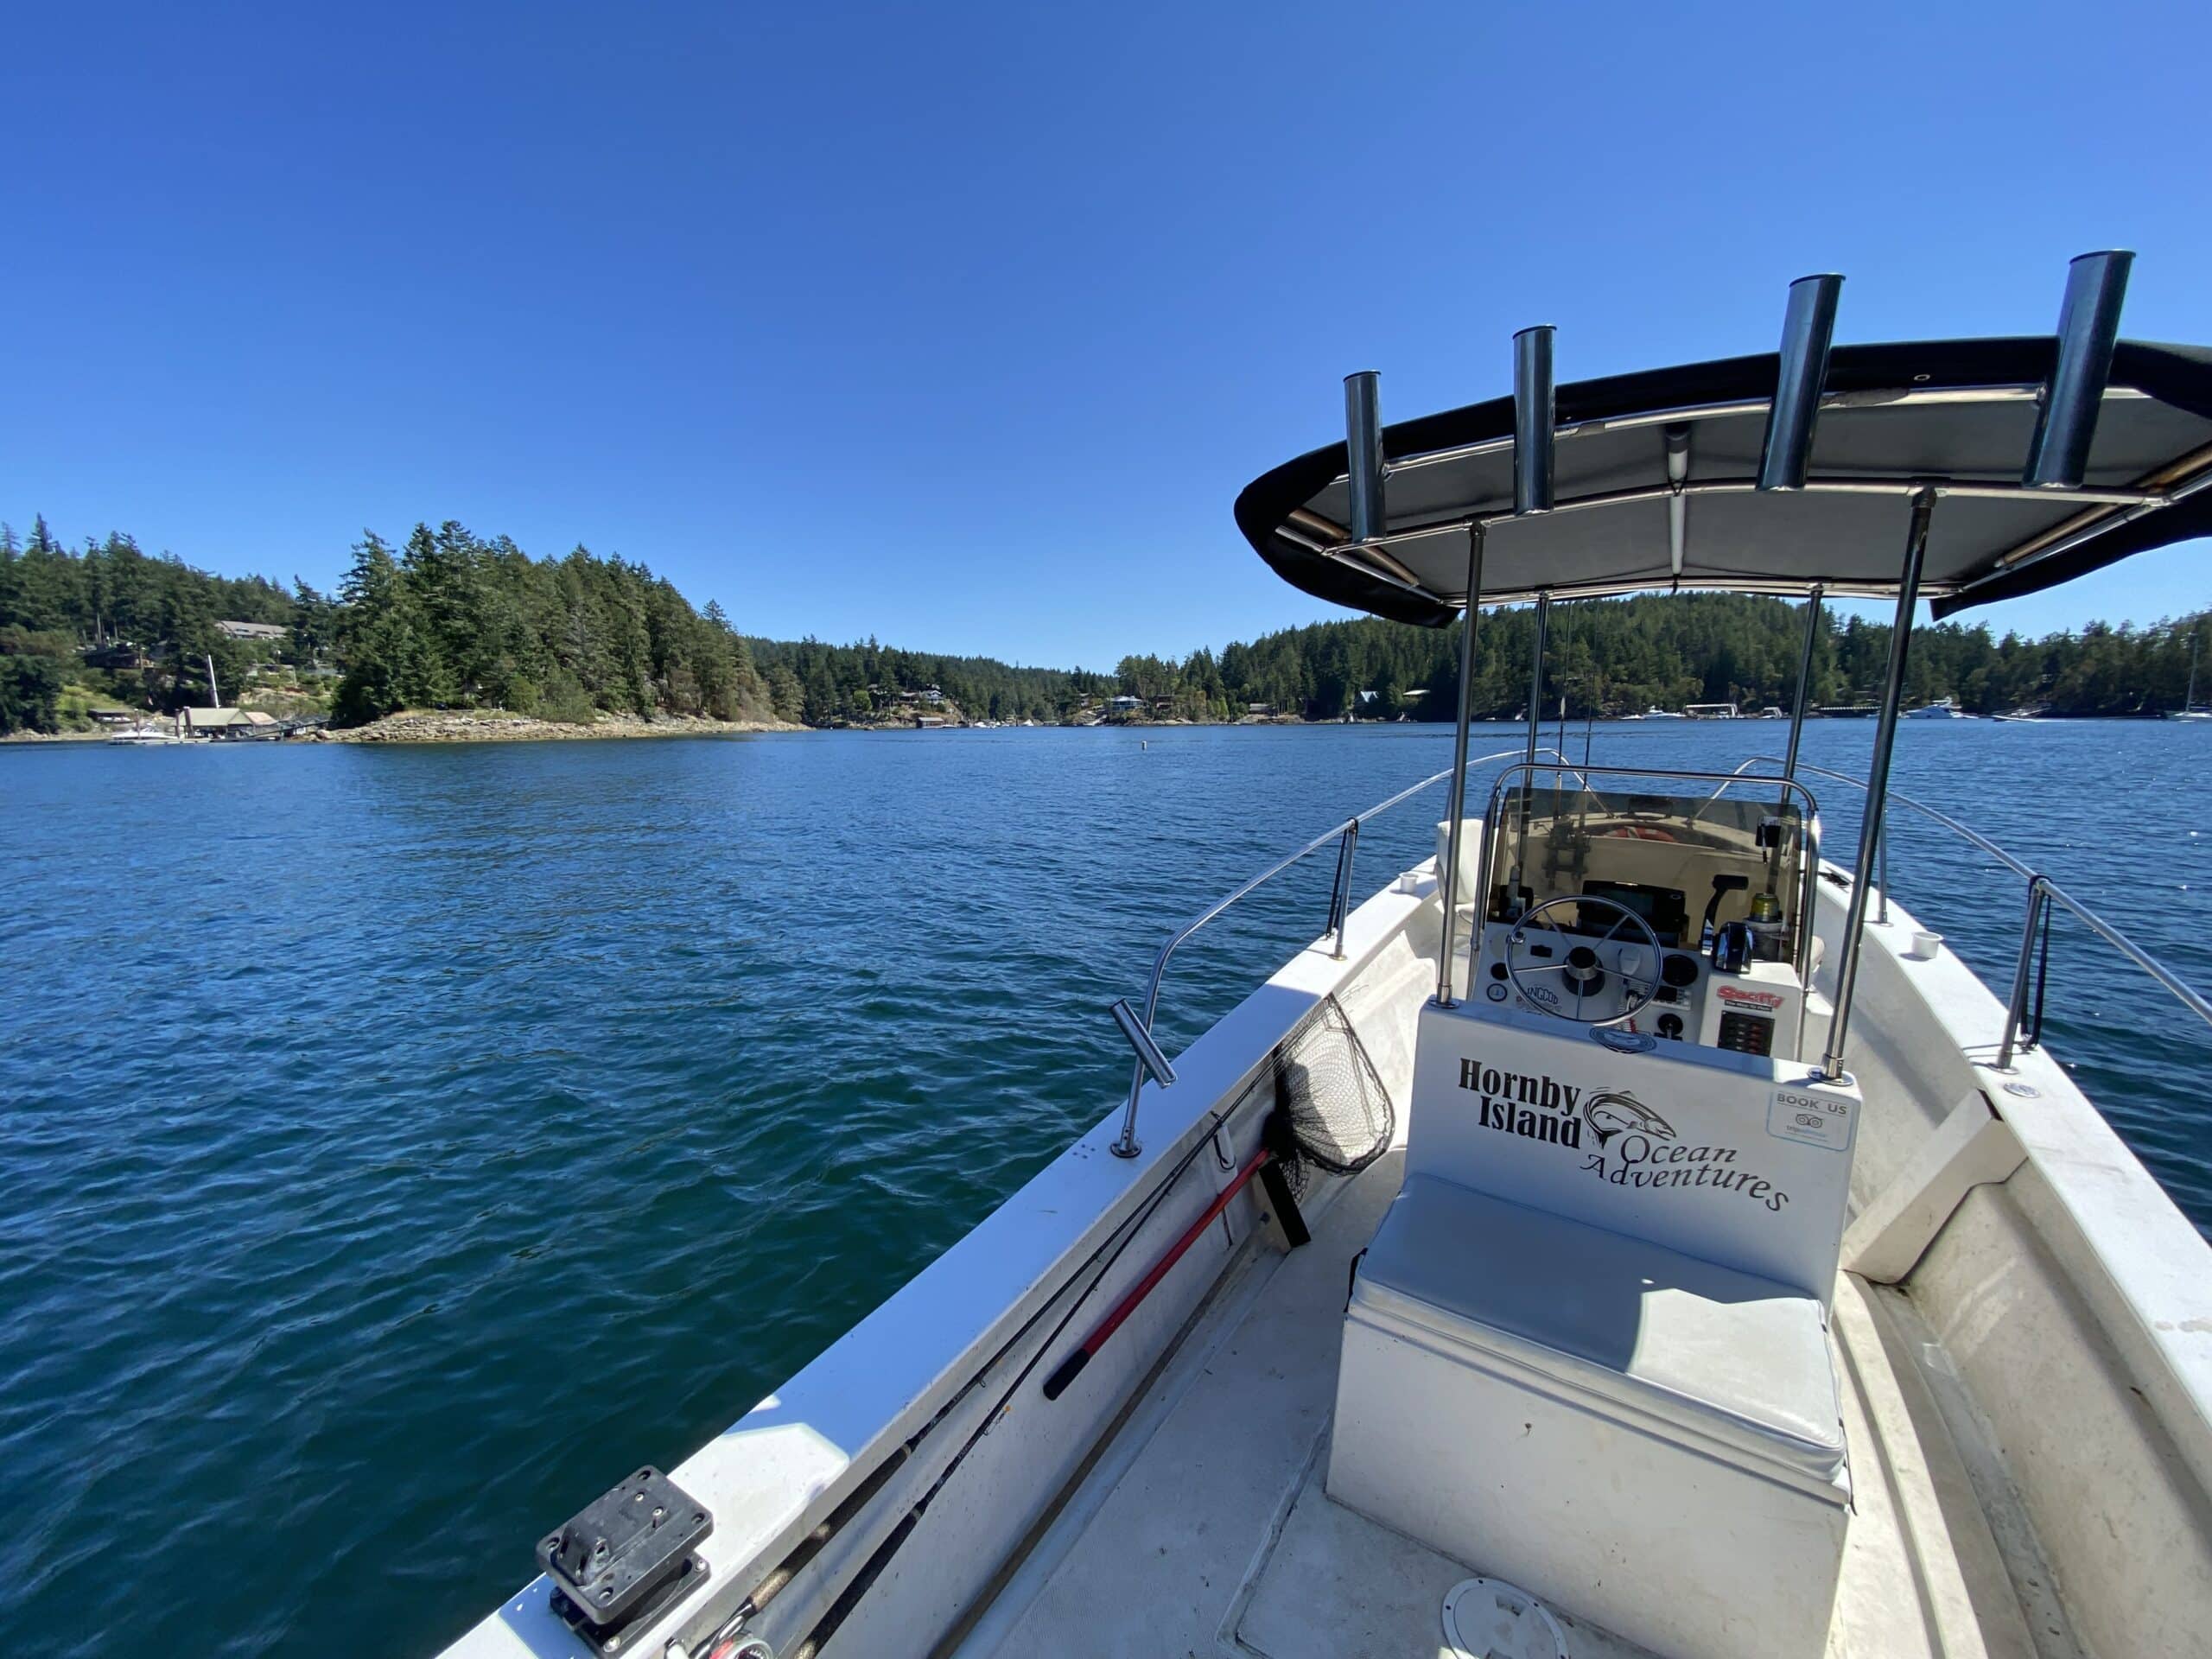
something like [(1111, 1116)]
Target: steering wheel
[(1577, 964)]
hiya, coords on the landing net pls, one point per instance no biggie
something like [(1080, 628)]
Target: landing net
[(1330, 1109)]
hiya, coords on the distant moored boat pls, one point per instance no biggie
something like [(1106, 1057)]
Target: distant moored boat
[(2189, 710), (145, 734)]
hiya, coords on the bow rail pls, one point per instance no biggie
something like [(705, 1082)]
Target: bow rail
[(1346, 837), (2042, 892)]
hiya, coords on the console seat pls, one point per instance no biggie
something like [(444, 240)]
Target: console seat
[(1646, 1439)]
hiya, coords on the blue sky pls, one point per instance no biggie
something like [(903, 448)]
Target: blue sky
[(963, 327)]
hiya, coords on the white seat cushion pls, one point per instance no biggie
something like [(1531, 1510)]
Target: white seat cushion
[(1707, 1353)]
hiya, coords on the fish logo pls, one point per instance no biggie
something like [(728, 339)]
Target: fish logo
[(1612, 1112)]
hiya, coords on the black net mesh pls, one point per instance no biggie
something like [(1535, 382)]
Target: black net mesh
[(1328, 1108)]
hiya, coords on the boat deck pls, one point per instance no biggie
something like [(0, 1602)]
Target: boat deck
[(1202, 1528)]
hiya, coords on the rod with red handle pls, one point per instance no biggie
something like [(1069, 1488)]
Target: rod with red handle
[(1263, 1164)]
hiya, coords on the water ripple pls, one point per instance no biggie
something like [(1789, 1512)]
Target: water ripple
[(402, 1144)]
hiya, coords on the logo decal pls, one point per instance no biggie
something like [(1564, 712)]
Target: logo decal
[(1609, 1112), (1627, 1144), (1749, 999), (1516, 1103)]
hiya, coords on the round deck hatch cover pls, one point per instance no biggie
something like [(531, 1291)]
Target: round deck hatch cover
[(1489, 1619)]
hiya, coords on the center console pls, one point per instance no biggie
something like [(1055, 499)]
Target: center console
[(1682, 918), (1754, 1008), (1602, 1292)]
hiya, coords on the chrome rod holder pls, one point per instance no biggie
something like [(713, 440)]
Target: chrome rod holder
[(1340, 902), (2016, 1006), (1150, 1059), (1535, 413), (1808, 330), (2088, 328), (1363, 453)]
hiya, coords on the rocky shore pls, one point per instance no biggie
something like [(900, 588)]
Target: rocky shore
[(465, 726)]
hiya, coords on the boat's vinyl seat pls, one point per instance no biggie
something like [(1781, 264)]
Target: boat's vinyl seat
[(1694, 1352)]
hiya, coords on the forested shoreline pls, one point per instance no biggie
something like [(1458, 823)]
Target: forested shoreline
[(447, 619)]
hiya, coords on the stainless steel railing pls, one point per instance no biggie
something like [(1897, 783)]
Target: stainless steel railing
[(1345, 835), (2043, 892)]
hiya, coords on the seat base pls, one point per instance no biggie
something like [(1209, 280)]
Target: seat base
[(1573, 1454)]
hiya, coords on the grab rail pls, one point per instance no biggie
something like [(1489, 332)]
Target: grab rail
[(1346, 836), (2042, 891)]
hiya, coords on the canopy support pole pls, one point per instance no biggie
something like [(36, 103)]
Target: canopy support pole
[(1535, 724), (1536, 674), (1448, 885), (1804, 678), (1877, 782)]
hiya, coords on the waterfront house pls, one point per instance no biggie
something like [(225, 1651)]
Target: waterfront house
[(266, 633), (231, 725), (118, 657)]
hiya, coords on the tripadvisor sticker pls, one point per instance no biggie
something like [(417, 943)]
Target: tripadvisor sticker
[(1817, 1120)]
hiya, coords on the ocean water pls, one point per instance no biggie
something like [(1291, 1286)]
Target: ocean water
[(401, 1144)]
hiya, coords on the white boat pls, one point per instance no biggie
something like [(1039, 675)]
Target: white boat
[(143, 734), (1941, 709), (2018, 717), (2189, 710), (1657, 713), (1710, 711), (1624, 1232)]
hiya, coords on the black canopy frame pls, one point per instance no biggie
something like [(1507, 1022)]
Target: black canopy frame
[(1798, 473), (1956, 415)]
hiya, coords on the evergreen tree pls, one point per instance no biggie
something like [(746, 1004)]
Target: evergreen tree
[(453, 619), (382, 647), (30, 695)]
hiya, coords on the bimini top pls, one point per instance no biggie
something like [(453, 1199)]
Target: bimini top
[(1654, 481)]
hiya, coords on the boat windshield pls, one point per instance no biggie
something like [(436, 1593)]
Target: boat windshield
[(1685, 862)]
